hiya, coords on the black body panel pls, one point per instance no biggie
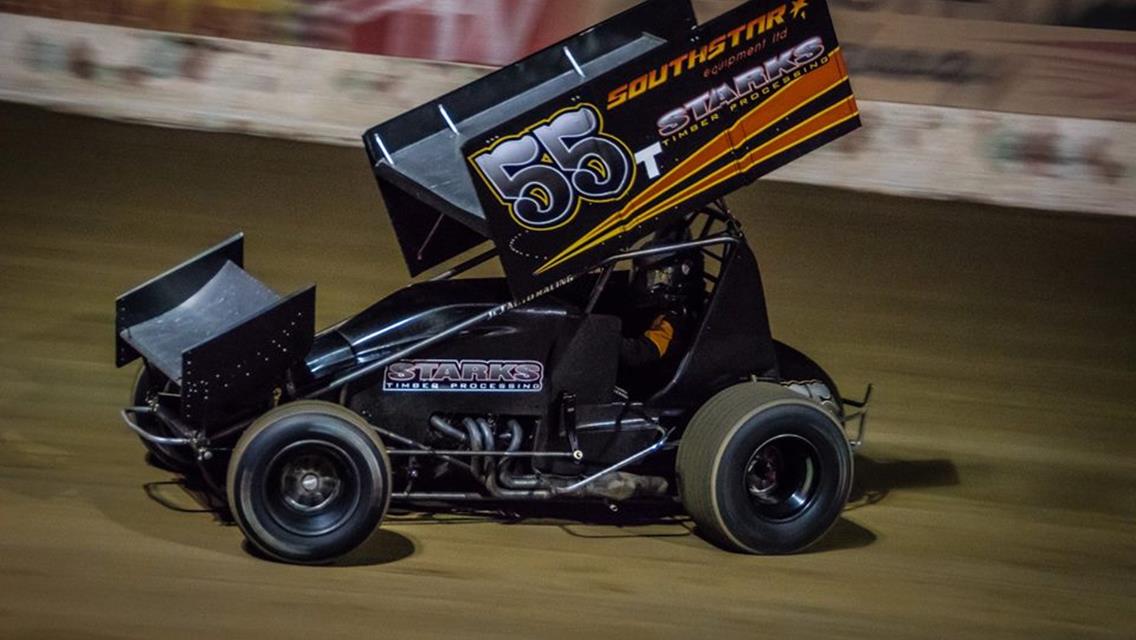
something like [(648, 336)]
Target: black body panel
[(605, 433), (576, 353), (734, 341), (238, 369), (418, 311), (587, 364)]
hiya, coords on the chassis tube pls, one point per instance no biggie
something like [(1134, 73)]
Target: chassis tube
[(146, 435), (572, 488), (458, 453)]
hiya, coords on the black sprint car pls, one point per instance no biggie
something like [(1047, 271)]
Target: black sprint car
[(611, 149)]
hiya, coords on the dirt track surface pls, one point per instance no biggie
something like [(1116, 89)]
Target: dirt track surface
[(996, 496)]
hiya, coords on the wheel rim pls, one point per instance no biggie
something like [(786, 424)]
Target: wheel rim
[(312, 487), (781, 477)]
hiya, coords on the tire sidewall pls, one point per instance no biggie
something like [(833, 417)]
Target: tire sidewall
[(733, 506), (250, 475)]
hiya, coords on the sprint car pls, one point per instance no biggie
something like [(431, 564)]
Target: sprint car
[(565, 167)]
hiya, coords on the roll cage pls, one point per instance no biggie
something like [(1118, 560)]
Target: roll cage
[(718, 239)]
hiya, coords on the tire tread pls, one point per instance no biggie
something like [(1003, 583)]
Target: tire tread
[(701, 447), (273, 417)]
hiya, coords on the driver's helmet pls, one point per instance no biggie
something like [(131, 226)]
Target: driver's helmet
[(672, 280)]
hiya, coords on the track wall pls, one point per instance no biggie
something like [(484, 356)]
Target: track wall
[(1027, 104)]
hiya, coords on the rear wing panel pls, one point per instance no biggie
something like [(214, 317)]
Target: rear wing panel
[(223, 337), (165, 292)]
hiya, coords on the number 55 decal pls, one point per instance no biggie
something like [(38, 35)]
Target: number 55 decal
[(543, 173)]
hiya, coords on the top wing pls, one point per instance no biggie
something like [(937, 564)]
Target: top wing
[(636, 123)]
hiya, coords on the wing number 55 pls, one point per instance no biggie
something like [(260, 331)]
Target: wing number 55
[(544, 174)]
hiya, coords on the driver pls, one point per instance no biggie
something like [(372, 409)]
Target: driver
[(667, 295)]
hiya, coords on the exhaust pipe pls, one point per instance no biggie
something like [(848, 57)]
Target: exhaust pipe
[(443, 426), (487, 439), (475, 444), (505, 476)]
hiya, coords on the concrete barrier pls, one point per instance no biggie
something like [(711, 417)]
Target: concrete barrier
[(975, 152), (1039, 162), (212, 83)]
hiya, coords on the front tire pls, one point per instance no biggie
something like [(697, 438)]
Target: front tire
[(309, 482), (763, 470)]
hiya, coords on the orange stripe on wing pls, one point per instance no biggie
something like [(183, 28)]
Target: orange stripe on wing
[(823, 121), (820, 122), (789, 99)]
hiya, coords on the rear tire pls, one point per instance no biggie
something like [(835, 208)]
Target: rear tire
[(309, 482), (763, 470)]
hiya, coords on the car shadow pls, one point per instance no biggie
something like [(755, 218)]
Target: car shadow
[(384, 547), (876, 478), (190, 494), (843, 535), (172, 494), (873, 481), (593, 519)]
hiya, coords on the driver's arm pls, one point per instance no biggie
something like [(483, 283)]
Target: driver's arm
[(648, 348)]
